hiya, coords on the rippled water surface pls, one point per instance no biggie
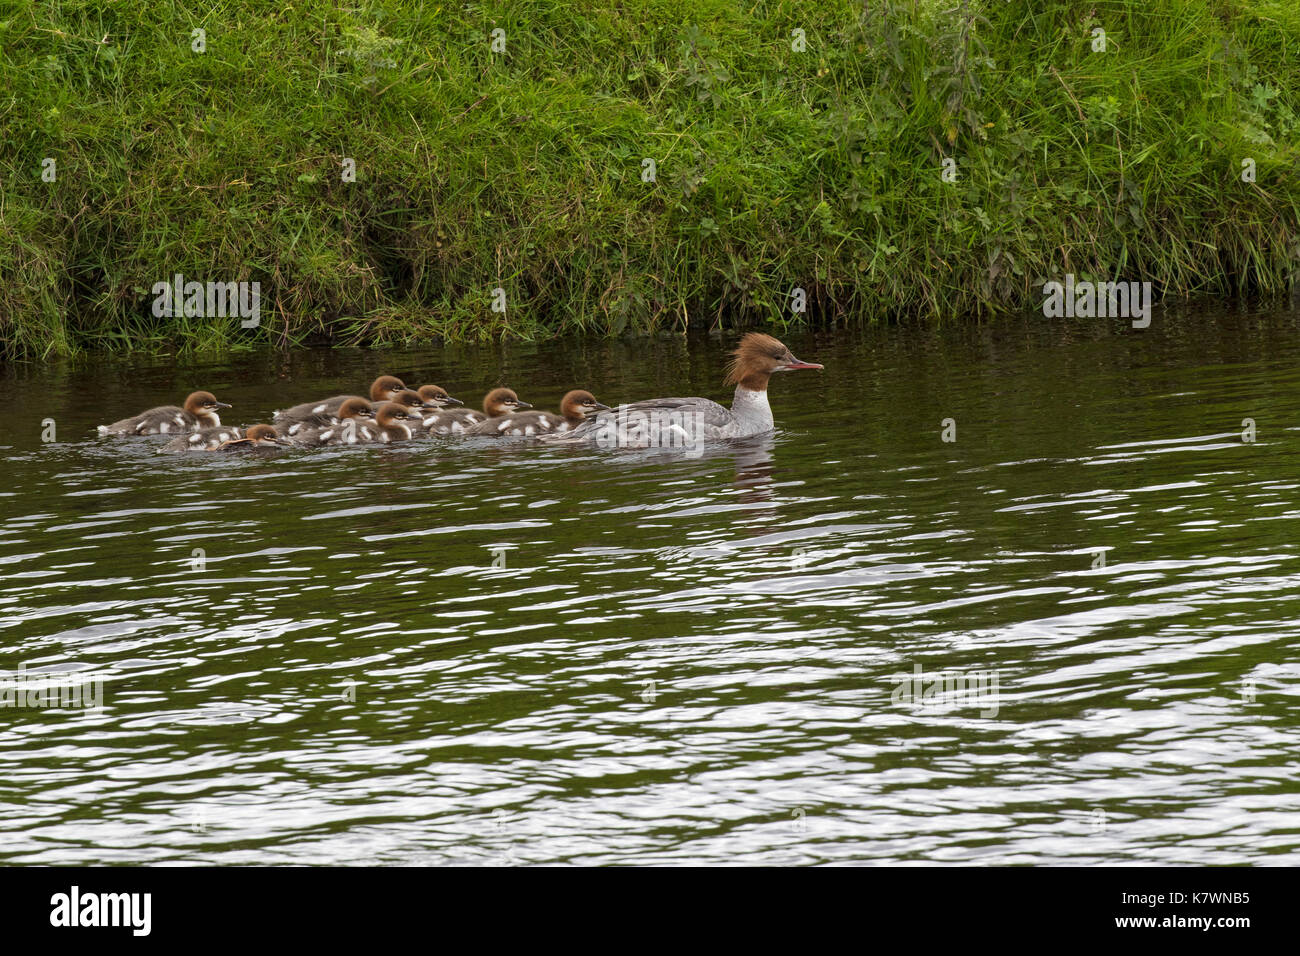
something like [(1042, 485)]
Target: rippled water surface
[(494, 653)]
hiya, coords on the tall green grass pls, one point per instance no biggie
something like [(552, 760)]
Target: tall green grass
[(776, 168)]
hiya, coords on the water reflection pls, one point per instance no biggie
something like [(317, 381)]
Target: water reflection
[(753, 459)]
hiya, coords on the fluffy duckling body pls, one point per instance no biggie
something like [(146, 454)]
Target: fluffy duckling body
[(389, 424), (351, 408), (459, 421), (340, 429), (225, 438), (205, 439), (574, 409), (382, 389), (199, 411)]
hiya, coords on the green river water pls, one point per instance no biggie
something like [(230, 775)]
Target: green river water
[(481, 652)]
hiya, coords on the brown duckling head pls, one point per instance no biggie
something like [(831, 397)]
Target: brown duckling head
[(264, 435), (203, 404), (355, 408), (578, 404), (437, 396), (390, 414), (385, 387), (409, 398), (503, 401)]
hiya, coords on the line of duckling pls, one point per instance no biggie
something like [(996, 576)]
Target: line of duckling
[(393, 412)]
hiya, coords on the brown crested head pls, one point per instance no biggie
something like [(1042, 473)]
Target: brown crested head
[(503, 401), (390, 413), (259, 434), (757, 357), (578, 404), (437, 395), (202, 403), (385, 387), (355, 408)]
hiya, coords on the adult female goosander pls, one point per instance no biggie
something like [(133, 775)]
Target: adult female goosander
[(200, 411), (389, 425), (679, 422), (438, 396), (574, 409), (352, 408), (456, 421), (382, 389), (225, 438)]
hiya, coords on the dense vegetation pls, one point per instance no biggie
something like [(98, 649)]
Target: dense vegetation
[(776, 167)]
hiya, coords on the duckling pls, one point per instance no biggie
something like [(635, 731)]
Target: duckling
[(200, 411), (438, 396), (352, 408), (382, 389), (340, 429), (224, 438), (574, 409), (205, 439), (408, 399), (389, 425), (457, 421), (255, 436)]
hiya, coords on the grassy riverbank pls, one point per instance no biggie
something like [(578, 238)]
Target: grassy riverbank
[(523, 170)]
